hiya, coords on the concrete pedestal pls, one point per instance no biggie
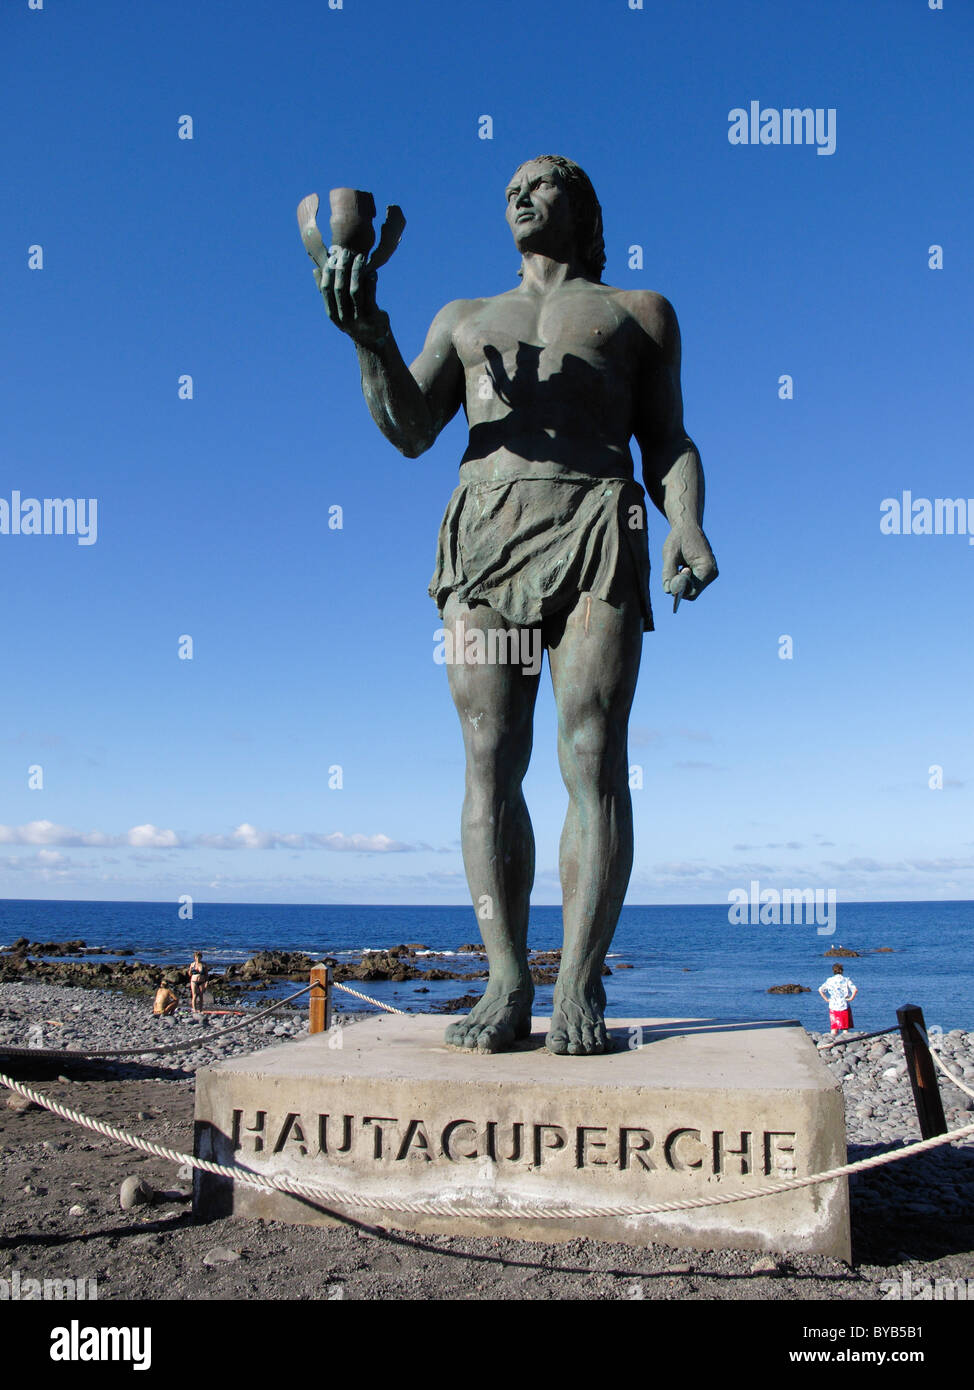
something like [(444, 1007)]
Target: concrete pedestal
[(681, 1108)]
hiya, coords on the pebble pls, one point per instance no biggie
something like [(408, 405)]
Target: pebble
[(20, 1104), (220, 1255), (134, 1193), (76, 1210), (765, 1265)]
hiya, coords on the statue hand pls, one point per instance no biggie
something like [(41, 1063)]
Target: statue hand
[(348, 289), (687, 547)]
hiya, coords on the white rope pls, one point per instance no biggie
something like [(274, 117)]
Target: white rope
[(211, 1039), (377, 1002), (942, 1065), (330, 1196)]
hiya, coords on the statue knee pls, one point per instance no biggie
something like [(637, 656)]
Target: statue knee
[(592, 757), (496, 764)]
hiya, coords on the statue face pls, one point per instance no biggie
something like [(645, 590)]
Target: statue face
[(539, 210)]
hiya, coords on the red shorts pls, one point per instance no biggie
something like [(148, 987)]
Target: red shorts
[(840, 1019)]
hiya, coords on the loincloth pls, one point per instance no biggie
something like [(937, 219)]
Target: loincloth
[(530, 546)]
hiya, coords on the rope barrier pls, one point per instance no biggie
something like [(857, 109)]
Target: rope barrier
[(942, 1064), (330, 1196), (377, 1002)]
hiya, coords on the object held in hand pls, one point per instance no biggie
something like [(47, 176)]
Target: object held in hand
[(352, 214), (678, 587)]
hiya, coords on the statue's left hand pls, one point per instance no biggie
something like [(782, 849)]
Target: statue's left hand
[(687, 548)]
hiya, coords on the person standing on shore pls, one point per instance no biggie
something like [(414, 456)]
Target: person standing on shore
[(838, 991), (198, 975)]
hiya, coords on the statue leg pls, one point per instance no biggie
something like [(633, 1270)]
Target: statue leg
[(495, 702), (594, 652)]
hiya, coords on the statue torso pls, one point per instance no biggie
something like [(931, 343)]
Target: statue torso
[(549, 381)]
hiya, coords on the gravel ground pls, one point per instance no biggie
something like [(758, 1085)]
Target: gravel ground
[(62, 1216)]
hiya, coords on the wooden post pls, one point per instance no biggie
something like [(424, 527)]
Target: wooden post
[(319, 1014), (923, 1074)]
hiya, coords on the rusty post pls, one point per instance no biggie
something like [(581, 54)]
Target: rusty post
[(319, 1014), (923, 1074)]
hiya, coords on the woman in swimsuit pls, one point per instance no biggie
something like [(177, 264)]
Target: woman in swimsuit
[(197, 982)]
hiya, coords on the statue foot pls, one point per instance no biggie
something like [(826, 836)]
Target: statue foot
[(577, 1026), (495, 1022)]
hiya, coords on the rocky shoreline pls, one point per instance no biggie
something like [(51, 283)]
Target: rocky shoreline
[(914, 1217), (26, 961)]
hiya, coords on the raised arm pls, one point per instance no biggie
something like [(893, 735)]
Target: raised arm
[(410, 405), (672, 471)]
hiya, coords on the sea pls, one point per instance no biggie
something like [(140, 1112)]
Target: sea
[(687, 961)]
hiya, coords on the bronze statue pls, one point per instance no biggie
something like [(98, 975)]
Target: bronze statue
[(546, 532)]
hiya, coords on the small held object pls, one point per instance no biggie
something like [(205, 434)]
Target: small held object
[(678, 587), (352, 212)]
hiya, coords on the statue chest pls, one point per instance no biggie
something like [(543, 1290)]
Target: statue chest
[(538, 338)]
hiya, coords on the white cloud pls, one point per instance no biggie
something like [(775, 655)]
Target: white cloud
[(51, 858), (370, 844), (45, 832), (151, 837), (244, 836)]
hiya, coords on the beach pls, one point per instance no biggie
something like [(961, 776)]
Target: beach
[(912, 1220)]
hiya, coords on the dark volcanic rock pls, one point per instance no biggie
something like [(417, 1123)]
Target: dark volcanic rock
[(133, 977), (840, 951), (789, 989), (271, 963), (544, 974), (23, 947), (456, 1006)]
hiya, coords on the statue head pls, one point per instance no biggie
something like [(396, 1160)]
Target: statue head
[(580, 206)]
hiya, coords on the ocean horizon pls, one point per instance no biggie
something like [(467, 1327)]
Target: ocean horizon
[(687, 960)]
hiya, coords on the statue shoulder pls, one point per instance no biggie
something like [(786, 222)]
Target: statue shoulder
[(450, 320), (654, 314), (456, 311)]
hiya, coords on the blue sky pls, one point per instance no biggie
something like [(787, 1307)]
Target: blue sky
[(313, 647)]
